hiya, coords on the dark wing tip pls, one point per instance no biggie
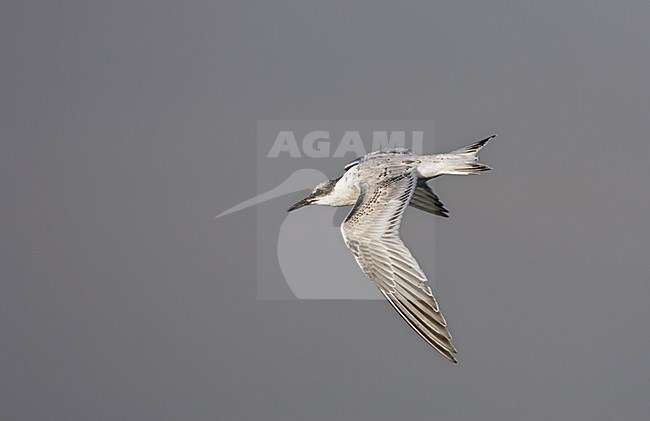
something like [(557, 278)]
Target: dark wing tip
[(426, 200)]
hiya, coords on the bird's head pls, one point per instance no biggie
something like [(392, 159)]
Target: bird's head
[(318, 196)]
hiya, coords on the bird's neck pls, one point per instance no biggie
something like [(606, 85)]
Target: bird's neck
[(345, 193)]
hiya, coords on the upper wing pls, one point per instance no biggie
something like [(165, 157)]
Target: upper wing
[(426, 200), (371, 232)]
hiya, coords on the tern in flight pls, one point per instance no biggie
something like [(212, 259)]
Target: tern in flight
[(380, 185)]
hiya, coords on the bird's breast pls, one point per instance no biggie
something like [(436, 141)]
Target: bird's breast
[(345, 192)]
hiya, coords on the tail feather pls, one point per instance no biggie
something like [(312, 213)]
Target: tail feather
[(467, 168), (474, 147), (463, 161)]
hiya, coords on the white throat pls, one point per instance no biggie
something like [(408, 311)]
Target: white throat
[(344, 193)]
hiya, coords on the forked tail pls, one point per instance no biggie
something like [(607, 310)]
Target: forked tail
[(463, 161)]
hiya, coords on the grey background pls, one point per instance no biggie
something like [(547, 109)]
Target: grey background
[(126, 126)]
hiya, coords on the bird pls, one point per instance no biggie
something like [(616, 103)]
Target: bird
[(380, 185)]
